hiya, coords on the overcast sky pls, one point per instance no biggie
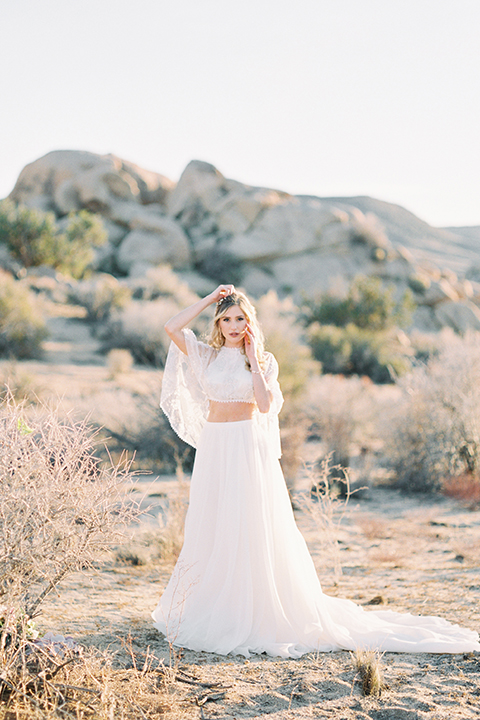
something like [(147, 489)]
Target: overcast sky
[(321, 97)]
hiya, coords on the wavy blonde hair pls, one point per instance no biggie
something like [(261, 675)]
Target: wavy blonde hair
[(238, 298)]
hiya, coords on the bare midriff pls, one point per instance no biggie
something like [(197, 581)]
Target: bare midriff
[(230, 411)]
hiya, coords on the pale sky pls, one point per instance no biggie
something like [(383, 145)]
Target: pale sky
[(320, 97)]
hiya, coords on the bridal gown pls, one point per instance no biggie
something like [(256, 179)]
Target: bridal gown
[(244, 581)]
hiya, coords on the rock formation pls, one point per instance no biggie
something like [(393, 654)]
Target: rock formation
[(211, 229)]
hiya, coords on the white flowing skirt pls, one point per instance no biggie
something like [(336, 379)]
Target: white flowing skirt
[(245, 582)]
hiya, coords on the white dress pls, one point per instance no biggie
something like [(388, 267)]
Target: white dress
[(245, 582)]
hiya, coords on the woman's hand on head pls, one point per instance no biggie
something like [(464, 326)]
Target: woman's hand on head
[(221, 292)]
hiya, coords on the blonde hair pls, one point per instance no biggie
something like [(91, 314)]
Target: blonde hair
[(216, 338)]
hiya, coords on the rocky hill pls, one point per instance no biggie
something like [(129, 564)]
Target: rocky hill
[(213, 229)]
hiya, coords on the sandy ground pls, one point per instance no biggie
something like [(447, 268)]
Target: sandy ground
[(408, 555)]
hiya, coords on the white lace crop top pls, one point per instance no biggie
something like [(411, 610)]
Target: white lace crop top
[(191, 381)]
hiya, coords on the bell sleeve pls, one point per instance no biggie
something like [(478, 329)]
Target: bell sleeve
[(183, 399), (269, 420)]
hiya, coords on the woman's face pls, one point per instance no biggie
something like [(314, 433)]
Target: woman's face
[(232, 326)]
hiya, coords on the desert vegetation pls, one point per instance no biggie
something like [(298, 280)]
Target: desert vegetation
[(375, 414)]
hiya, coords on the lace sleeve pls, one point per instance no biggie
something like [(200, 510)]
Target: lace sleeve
[(271, 376), (183, 399), (269, 421)]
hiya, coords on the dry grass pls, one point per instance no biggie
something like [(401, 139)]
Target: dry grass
[(168, 540), (48, 681), (369, 666), (326, 509)]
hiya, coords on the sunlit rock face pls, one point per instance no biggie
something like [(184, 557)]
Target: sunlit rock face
[(212, 229)]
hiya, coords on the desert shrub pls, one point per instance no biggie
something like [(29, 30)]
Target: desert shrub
[(100, 297), (464, 487), (357, 334), (163, 282), (83, 233), (19, 383), (146, 432), (325, 509), (119, 362), (33, 238), (22, 327), (435, 433), (29, 234), (285, 339), (60, 507), (368, 305), (343, 413), (352, 350), (139, 328)]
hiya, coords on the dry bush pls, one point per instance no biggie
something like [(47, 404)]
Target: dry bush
[(374, 528), (145, 431), (343, 413), (119, 362), (464, 487), (368, 664), (100, 296), (50, 680), (326, 510), (17, 382), (297, 367), (60, 507), (163, 282), (435, 432), (139, 328), (168, 540)]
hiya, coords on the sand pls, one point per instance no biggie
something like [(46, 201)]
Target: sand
[(409, 554)]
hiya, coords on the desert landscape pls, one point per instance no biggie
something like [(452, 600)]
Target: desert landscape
[(401, 415)]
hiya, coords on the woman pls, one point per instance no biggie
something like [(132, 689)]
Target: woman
[(244, 582)]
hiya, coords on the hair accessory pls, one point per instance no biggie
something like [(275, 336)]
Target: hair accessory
[(223, 299)]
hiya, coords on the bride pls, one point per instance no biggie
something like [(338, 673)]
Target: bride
[(244, 581)]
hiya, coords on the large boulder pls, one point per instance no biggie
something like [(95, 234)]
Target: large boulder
[(148, 246), (70, 180), (290, 228)]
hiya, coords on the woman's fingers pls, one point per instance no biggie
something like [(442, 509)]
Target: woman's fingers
[(225, 290)]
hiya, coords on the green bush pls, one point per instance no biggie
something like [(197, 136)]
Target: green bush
[(355, 351), (22, 327), (33, 238), (368, 305)]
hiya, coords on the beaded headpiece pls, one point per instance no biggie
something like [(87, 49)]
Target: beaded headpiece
[(224, 300)]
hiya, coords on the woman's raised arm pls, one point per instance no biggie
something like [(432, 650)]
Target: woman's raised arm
[(175, 325)]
